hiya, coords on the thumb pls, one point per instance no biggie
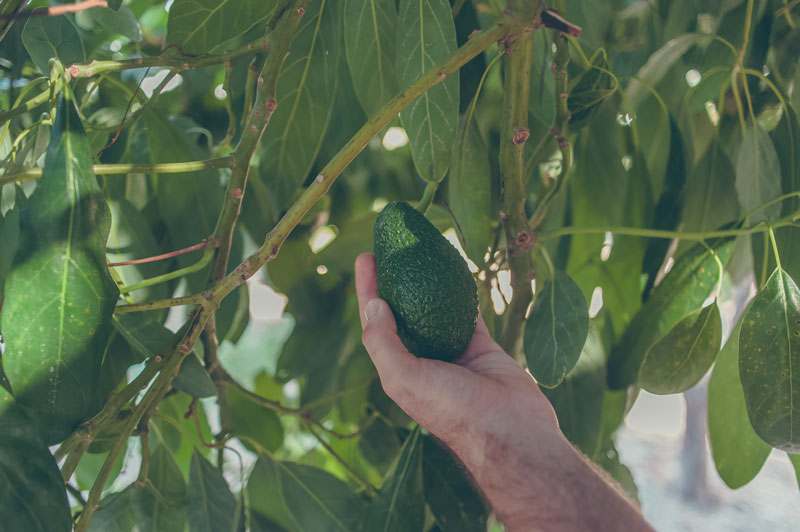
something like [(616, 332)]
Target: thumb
[(391, 358)]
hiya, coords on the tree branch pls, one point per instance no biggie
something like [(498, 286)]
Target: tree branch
[(54, 11), (514, 134)]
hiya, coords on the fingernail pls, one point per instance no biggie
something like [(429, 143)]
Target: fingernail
[(371, 309)]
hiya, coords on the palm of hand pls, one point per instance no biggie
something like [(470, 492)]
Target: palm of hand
[(482, 392)]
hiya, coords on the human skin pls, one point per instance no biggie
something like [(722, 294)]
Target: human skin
[(493, 417)]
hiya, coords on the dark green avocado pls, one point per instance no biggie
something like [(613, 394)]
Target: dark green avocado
[(426, 283)]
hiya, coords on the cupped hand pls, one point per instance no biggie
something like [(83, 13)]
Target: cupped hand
[(483, 392)]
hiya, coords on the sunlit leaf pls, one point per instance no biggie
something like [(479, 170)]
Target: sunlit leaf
[(683, 290), (59, 296), (769, 353), (681, 357)]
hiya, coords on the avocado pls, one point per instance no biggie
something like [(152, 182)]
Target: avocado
[(425, 282)]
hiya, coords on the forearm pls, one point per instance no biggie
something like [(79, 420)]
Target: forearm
[(535, 480)]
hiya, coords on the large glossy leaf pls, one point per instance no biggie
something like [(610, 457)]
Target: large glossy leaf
[(400, 505), (469, 191), (120, 21), (769, 355), (200, 26), (48, 37), (453, 501), (369, 36), (681, 357), (146, 336), (211, 505), (579, 399), (306, 92), (379, 444), (556, 330), (179, 435), (426, 36), (167, 511), (738, 452), (758, 173), (307, 497), (32, 495), (683, 289), (59, 296)]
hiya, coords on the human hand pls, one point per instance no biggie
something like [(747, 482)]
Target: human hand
[(492, 415), (481, 395)]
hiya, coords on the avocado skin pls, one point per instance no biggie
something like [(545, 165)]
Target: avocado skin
[(426, 283)]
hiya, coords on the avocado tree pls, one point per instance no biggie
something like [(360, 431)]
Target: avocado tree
[(159, 159)]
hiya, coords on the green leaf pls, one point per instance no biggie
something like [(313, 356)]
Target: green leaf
[(32, 495), (711, 199), (48, 37), (130, 238), (200, 26), (795, 459), (426, 36), (146, 337), (400, 504), (758, 173), (211, 505), (120, 21), (453, 501), (738, 452), (379, 444), (369, 39), (681, 357), (264, 492), (115, 514), (657, 66), (193, 379), (469, 191), (59, 296), (306, 91), (309, 497), (556, 330), (249, 419), (683, 290), (188, 203), (769, 350), (608, 459), (578, 400), (166, 512), (179, 435)]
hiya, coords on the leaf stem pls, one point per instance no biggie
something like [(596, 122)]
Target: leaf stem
[(775, 248), (23, 173), (427, 197), (197, 266)]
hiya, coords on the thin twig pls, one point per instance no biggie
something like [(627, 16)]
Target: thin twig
[(54, 11)]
